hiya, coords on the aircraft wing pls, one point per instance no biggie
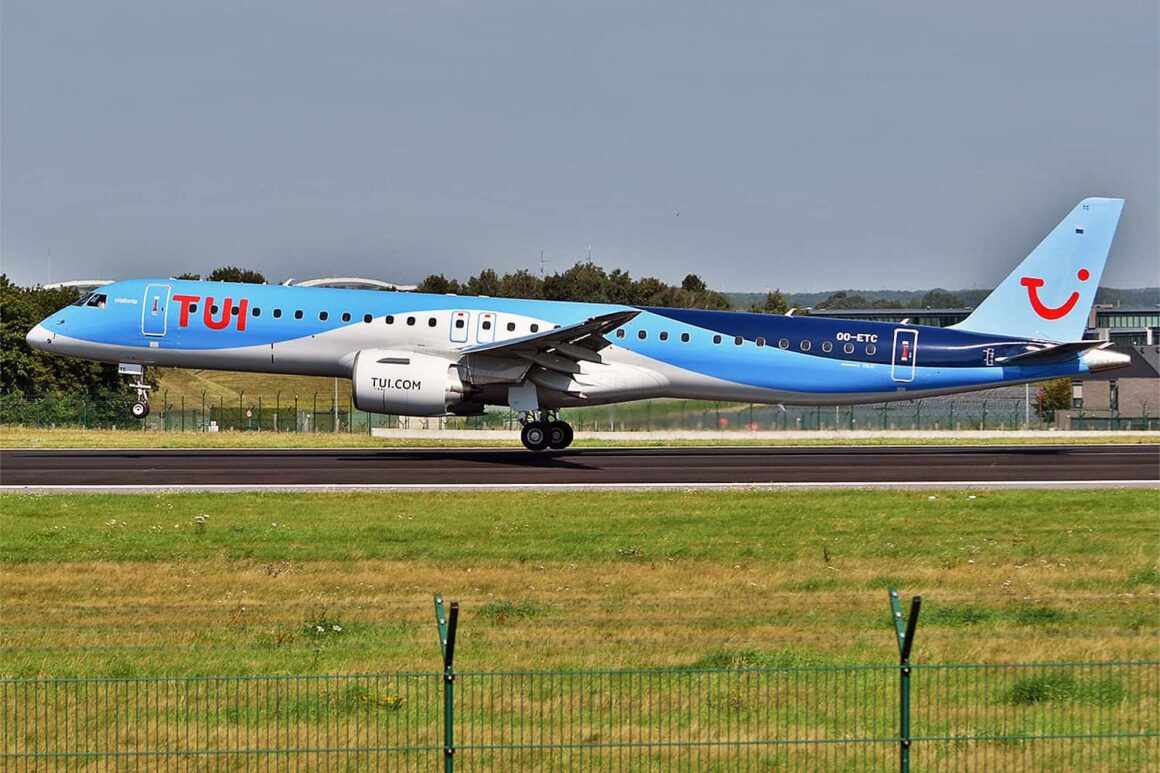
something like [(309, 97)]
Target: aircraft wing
[(1052, 353), (560, 348)]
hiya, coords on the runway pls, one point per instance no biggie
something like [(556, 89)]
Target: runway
[(894, 466)]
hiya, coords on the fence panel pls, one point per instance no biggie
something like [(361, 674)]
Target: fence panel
[(360, 722), (1044, 716)]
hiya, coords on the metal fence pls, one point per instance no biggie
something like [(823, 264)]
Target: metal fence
[(325, 413), (1043, 716)]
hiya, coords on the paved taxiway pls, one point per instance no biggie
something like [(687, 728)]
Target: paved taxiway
[(1055, 465)]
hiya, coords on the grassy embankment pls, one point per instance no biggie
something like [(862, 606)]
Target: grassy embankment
[(180, 584)]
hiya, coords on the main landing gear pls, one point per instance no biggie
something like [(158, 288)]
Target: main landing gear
[(545, 431)]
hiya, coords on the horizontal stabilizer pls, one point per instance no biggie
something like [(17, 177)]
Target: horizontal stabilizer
[(1054, 353)]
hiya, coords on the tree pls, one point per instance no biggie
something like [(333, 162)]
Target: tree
[(439, 285), (25, 372), (693, 284), (235, 274), (487, 283), (774, 303), (939, 298), (194, 277), (1052, 396)]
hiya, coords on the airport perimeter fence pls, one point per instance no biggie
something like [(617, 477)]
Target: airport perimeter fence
[(1040, 716), (323, 413)]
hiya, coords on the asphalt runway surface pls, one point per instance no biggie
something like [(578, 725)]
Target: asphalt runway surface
[(1046, 465)]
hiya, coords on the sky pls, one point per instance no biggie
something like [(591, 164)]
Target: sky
[(805, 146)]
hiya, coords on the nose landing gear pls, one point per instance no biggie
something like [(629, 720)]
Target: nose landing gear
[(140, 408), (545, 431)]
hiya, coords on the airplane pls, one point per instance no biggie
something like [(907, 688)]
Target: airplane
[(417, 354)]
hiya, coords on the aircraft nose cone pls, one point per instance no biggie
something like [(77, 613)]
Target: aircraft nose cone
[(39, 337)]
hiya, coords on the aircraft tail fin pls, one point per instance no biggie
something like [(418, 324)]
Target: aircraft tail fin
[(1048, 296)]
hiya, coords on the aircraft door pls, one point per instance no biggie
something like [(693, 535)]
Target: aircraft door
[(155, 311), (905, 355), (486, 332), (460, 324)]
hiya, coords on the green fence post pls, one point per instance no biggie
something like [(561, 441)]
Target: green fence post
[(904, 632), (447, 625)]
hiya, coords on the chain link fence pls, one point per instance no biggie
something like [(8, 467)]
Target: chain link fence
[(323, 413), (1041, 716)]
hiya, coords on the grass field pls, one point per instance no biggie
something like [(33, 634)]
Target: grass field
[(35, 437), (272, 583)]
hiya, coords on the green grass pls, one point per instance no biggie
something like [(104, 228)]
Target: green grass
[(243, 583)]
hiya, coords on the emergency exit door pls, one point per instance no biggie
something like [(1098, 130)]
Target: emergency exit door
[(459, 325), (155, 313), (905, 354)]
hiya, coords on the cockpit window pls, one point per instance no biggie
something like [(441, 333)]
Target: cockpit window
[(97, 300), (84, 299)]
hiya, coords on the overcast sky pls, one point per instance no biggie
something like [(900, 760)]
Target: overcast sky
[(797, 145)]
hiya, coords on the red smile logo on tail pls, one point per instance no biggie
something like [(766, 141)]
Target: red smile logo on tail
[(1033, 283)]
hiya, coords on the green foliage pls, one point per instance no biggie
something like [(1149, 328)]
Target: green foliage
[(1061, 686), (939, 298), (1052, 396), (235, 274), (774, 303), (844, 300), (586, 282), (26, 373), (502, 611)]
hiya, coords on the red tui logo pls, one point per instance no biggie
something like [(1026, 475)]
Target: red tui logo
[(1033, 283), (222, 322)]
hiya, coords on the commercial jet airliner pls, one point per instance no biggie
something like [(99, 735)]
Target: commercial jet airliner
[(416, 354)]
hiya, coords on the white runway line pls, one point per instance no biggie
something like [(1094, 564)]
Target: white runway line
[(388, 487)]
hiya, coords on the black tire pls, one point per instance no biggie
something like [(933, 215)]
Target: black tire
[(139, 410), (559, 435), (534, 436)]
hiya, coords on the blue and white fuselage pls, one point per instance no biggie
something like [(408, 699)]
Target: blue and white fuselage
[(466, 352)]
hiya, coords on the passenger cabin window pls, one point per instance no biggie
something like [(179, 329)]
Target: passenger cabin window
[(389, 319), (783, 343), (460, 324), (298, 314), (410, 320), (716, 339), (760, 341), (684, 338), (486, 325), (848, 348), (256, 311), (871, 349), (213, 309), (511, 326), (664, 335), (620, 333), (431, 322), (805, 345), (277, 314), (535, 328), (738, 341), (193, 308), (827, 346), (641, 334), (367, 318), (346, 316), (323, 315)]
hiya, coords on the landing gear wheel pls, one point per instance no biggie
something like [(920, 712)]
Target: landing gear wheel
[(140, 410), (534, 436), (559, 434)]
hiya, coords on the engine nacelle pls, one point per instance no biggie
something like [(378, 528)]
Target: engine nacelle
[(405, 383)]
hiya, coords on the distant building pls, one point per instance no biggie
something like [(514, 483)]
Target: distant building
[(349, 283), (1126, 325), (82, 286), (1118, 395), (929, 317)]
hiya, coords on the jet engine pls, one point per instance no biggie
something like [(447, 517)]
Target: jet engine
[(405, 383)]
